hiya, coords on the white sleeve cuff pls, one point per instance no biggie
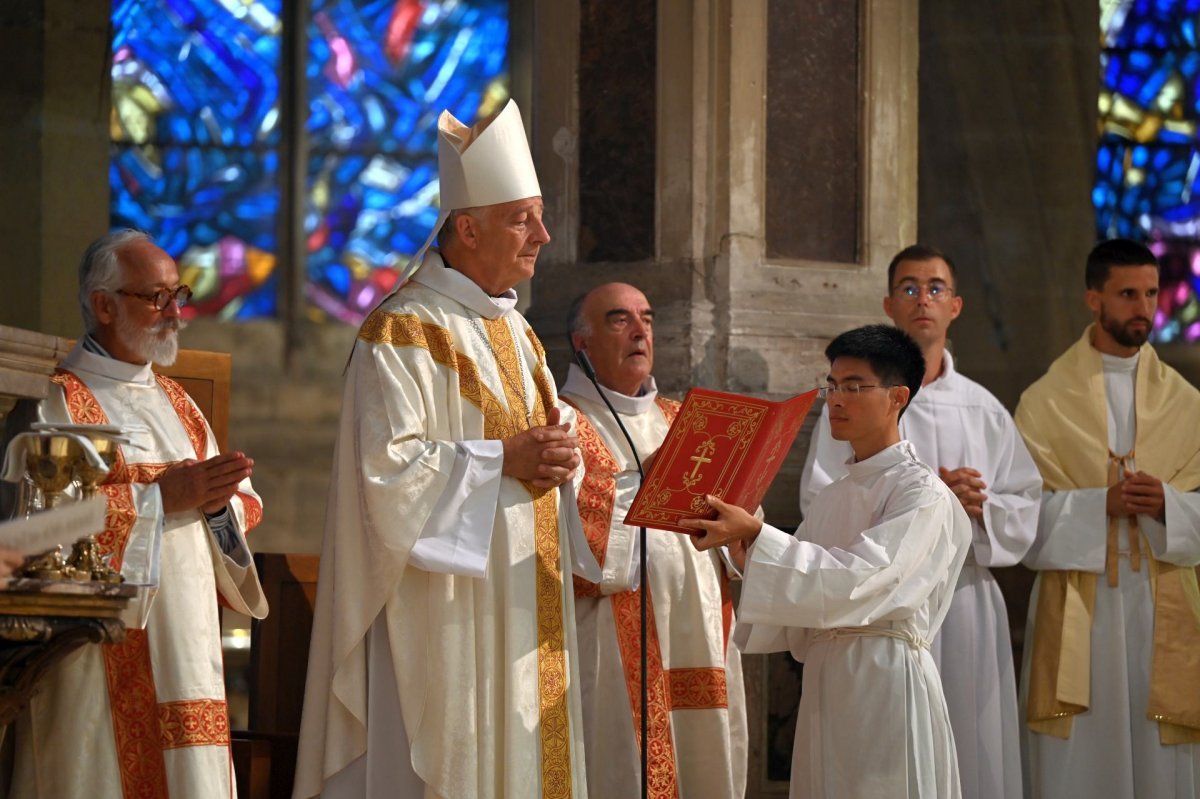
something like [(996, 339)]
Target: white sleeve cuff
[(457, 537)]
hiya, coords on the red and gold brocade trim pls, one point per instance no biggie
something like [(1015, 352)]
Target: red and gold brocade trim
[(194, 722), (661, 779), (502, 420), (81, 402), (142, 729), (669, 407), (121, 514), (698, 689), (134, 704), (703, 688), (188, 413), (253, 510), (596, 496)]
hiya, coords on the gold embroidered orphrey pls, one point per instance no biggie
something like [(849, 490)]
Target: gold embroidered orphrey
[(502, 421)]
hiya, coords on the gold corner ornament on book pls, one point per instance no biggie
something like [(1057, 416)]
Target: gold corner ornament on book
[(1076, 455)]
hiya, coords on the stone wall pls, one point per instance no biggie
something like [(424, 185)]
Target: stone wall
[(54, 101), (1008, 127)]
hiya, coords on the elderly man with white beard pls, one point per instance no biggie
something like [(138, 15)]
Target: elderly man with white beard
[(146, 717)]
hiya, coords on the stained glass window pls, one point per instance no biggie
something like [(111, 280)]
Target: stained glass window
[(1148, 158), (197, 146), (195, 152), (379, 73)]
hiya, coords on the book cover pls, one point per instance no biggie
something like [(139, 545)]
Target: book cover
[(727, 445)]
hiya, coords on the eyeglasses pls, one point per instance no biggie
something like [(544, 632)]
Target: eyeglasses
[(938, 292), (163, 297), (850, 390)]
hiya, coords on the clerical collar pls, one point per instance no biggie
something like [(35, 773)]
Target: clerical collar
[(1115, 363), (88, 356), (436, 275), (578, 384), (884, 459)]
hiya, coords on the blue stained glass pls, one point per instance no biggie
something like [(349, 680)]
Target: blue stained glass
[(1148, 156), (1146, 23), (379, 73), (194, 72), (196, 158), (194, 154)]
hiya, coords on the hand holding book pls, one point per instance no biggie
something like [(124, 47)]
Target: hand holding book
[(722, 445), (733, 526)]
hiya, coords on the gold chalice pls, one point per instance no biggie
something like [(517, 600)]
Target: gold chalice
[(50, 462), (91, 476)]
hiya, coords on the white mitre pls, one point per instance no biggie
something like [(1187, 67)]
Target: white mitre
[(487, 164)]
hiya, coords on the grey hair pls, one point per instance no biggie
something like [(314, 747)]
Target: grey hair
[(576, 321), (448, 232), (100, 270)]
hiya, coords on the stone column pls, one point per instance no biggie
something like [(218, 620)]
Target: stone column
[(54, 111)]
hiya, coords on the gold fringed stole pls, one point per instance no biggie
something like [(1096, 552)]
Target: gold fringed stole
[(1062, 417), (1060, 666), (502, 420)]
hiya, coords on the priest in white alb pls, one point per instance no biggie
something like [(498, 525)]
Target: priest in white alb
[(860, 590), (962, 431), (443, 655), (146, 717), (696, 724), (1110, 684)]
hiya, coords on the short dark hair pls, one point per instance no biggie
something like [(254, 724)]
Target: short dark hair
[(920, 252), (1115, 252), (892, 354)]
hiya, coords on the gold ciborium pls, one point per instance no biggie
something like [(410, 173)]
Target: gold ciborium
[(50, 462), (91, 476)]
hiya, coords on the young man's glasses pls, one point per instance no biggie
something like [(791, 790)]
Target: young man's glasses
[(163, 297), (937, 292), (848, 390)]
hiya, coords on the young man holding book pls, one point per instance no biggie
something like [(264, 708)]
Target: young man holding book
[(697, 712), (966, 435), (860, 590)]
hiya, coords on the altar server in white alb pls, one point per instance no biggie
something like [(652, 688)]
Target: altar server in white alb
[(860, 590), (146, 717), (1111, 677), (961, 430), (697, 711), (443, 658)]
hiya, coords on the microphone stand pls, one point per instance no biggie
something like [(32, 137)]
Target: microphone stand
[(585, 364)]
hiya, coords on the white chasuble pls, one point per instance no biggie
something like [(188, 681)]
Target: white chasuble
[(955, 422), (442, 661), (146, 717), (857, 594), (1088, 405), (696, 701)]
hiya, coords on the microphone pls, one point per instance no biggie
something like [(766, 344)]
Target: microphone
[(589, 371), (585, 363)]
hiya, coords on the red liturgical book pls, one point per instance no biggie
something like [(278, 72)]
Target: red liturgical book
[(727, 445)]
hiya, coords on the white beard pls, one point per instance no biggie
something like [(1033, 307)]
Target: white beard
[(158, 344)]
